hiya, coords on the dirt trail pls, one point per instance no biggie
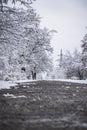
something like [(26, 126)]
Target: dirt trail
[(44, 105)]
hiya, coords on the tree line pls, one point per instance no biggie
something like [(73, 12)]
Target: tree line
[(75, 65)]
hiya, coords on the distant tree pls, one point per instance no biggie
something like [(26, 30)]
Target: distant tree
[(84, 56), (72, 64), (84, 50)]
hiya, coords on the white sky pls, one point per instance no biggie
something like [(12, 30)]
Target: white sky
[(68, 17)]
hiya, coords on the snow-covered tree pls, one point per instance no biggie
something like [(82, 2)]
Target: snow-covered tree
[(13, 40), (84, 50), (42, 51), (23, 43), (84, 56), (3, 3), (38, 51), (72, 65)]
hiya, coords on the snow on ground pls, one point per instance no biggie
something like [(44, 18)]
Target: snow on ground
[(69, 80), (13, 96), (24, 81), (6, 84), (65, 80)]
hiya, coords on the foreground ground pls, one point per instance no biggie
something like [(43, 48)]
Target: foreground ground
[(44, 105)]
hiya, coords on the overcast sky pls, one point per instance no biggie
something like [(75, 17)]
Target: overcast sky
[(68, 17)]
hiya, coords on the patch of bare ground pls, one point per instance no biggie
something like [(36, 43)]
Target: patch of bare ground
[(44, 105)]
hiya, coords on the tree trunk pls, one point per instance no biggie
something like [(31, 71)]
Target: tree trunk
[(1, 3), (33, 75), (80, 74)]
